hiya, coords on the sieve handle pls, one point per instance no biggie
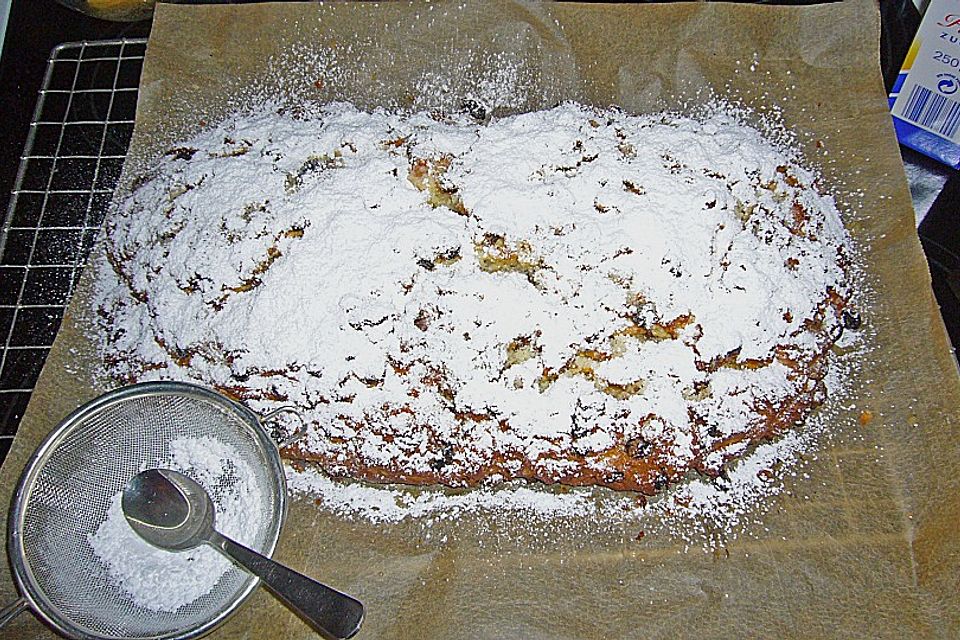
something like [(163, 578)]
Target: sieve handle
[(11, 611), (334, 614), (283, 442)]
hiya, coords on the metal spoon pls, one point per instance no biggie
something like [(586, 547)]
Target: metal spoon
[(171, 511)]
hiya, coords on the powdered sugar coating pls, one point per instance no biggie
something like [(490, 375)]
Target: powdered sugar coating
[(574, 294), (162, 580)]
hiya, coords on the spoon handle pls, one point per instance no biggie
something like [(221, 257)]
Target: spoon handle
[(335, 615)]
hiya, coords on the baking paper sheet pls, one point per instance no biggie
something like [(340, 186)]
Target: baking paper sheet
[(866, 544)]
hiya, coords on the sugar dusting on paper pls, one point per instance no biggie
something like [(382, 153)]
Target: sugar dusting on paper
[(162, 580), (250, 163)]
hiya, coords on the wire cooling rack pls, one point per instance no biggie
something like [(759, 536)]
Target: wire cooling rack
[(71, 162)]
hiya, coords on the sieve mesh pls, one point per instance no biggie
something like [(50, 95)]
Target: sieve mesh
[(90, 463)]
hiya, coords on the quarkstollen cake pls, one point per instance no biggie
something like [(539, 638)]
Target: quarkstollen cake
[(574, 295)]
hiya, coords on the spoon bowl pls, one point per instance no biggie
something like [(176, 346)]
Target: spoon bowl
[(172, 511), (168, 509)]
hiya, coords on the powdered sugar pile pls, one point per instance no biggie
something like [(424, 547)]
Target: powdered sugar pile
[(163, 580), (574, 294)]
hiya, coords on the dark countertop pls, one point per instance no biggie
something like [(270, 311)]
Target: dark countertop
[(35, 27)]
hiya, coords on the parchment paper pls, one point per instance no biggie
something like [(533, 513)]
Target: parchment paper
[(867, 545)]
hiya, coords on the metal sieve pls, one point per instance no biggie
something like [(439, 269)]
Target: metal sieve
[(67, 487)]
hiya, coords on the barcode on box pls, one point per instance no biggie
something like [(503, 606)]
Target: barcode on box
[(932, 111)]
